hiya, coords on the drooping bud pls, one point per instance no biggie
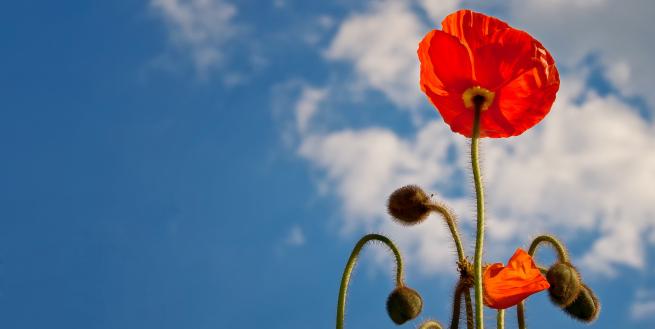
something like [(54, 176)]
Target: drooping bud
[(564, 282), (409, 205), (404, 304), (585, 307)]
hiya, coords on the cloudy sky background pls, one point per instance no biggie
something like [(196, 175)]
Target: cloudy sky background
[(211, 163)]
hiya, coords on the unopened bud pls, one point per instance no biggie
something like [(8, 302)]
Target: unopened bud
[(404, 304), (586, 307), (564, 282), (409, 205)]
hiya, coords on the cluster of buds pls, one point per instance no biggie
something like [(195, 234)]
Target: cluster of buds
[(569, 292), (504, 286)]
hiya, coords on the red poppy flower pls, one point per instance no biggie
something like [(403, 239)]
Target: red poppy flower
[(506, 286), (477, 56)]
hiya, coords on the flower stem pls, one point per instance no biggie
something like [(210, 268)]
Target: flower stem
[(469, 309), (520, 315), (457, 304), (562, 253), (500, 319), (479, 238), (345, 279), (452, 225), (562, 256)]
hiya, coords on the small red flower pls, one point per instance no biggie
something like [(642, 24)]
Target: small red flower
[(477, 56), (506, 286)]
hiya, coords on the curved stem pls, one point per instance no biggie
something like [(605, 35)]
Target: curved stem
[(500, 319), (520, 315), (562, 253), (469, 309), (479, 238), (345, 279), (452, 225)]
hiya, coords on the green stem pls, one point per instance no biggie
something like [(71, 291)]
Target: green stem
[(520, 315), (562, 253), (457, 304), (452, 225), (469, 309), (479, 238), (500, 319), (345, 279)]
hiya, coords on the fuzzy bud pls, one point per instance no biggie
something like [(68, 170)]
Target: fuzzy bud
[(409, 205), (404, 304), (564, 282), (586, 307)]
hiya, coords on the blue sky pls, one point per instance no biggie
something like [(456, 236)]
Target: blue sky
[(211, 163)]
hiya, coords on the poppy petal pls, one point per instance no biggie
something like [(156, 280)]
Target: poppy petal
[(528, 98), (445, 65), (510, 53), (479, 51), (507, 286), (472, 28), (452, 110)]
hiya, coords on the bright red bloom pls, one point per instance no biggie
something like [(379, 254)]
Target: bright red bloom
[(476, 54), (506, 286)]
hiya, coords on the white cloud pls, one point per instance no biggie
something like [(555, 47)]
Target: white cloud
[(296, 237), (437, 10), (307, 106), (615, 31), (365, 166), (381, 45), (586, 169), (200, 29), (643, 307)]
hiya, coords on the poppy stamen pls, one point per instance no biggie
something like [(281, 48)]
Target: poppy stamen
[(478, 97)]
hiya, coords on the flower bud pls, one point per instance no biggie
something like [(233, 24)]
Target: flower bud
[(564, 282), (404, 304), (585, 307), (409, 205)]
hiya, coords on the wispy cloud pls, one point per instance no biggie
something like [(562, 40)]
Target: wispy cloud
[(199, 29), (307, 106), (643, 307), (295, 237), (381, 53)]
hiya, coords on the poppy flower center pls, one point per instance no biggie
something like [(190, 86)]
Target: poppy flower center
[(478, 97)]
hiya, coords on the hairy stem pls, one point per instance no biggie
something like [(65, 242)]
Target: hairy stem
[(479, 238), (562, 256), (345, 279), (457, 302), (469, 309), (452, 225), (562, 253)]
